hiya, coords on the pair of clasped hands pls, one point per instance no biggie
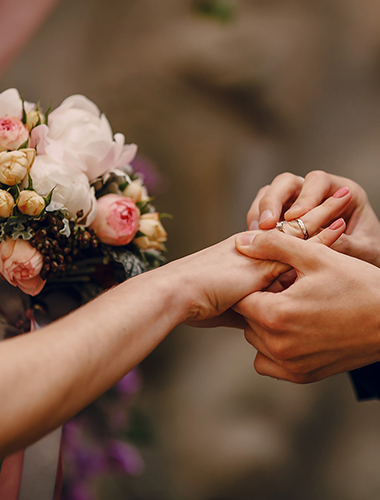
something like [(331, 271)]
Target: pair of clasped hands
[(317, 311)]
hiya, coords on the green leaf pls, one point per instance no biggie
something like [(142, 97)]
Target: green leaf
[(48, 111), (164, 215), (30, 183), (123, 185), (143, 206), (47, 198), (139, 234), (24, 145), (24, 117), (14, 191), (15, 227), (218, 10), (25, 234)]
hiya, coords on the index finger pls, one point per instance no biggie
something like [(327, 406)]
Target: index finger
[(267, 208), (317, 187)]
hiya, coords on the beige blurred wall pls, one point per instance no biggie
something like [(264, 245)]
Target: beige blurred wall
[(221, 109)]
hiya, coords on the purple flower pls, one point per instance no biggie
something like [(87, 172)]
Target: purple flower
[(81, 491), (152, 178), (124, 458), (130, 384)]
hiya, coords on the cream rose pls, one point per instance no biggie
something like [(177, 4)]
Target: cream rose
[(33, 117), (79, 135), (153, 230), (15, 165), (136, 191), (7, 203), (71, 187), (21, 264), (30, 203)]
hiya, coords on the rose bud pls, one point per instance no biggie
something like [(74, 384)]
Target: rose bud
[(21, 264), (30, 203), (7, 203), (117, 220), (34, 117), (13, 133), (15, 165), (136, 191), (154, 232)]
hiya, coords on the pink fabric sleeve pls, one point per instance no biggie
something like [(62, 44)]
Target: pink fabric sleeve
[(19, 19)]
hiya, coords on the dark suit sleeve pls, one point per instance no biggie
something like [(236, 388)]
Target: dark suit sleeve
[(366, 381)]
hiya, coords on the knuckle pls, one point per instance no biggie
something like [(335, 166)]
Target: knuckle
[(261, 192), (287, 176), (316, 175), (276, 319), (280, 349), (300, 372), (259, 366)]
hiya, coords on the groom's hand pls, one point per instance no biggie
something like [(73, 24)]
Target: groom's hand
[(325, 323), (294, 196)]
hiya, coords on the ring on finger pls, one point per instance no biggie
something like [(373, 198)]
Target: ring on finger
[(302, 226)]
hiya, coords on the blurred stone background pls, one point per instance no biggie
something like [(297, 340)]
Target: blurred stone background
[(221, 108)]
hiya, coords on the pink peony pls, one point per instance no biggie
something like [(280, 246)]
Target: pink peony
[(13, 133), (20, 264), (117, 219)]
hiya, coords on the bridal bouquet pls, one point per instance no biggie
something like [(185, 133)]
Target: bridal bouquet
[(75, 219), (69, 199)]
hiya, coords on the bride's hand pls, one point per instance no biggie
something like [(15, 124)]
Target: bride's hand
[(294, 196), (219, 276)]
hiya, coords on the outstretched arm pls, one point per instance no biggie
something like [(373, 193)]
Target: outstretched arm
[(48, 376)]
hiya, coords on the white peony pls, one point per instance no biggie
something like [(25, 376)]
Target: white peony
[(72, 188), (11, 104), (79, 135)]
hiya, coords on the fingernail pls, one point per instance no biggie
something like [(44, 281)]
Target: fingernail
[(267, 214), (245, 239), (337, 224), (293, 207), (341, 192), (254, 225)]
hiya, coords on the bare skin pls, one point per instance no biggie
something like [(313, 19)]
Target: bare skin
[(325, 323), (294, 197), (48, 376)]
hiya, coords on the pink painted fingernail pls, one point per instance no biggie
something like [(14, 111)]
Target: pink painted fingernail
[(254, 225), (245, 239), (341, 192), (267, 214), (337, 224)]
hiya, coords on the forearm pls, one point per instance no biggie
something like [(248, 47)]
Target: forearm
[(46, 377)]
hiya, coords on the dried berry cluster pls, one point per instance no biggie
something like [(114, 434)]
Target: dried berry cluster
[(60, 252)]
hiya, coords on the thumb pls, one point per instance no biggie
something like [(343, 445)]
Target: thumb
[(275, 245)]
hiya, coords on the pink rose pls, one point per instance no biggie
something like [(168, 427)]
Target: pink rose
[(21, 264), (13, 133), (117, 219)]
